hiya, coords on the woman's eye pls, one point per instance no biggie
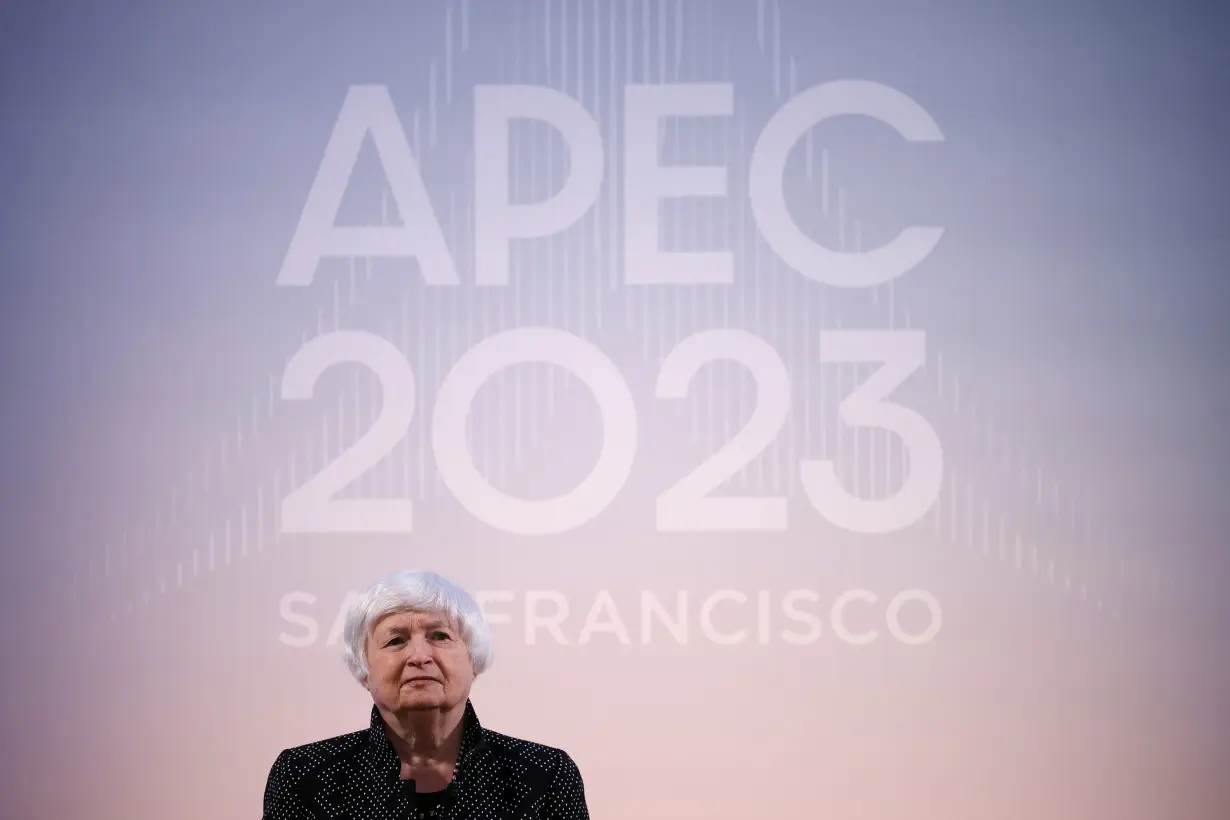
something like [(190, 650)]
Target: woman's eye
[(440, 636), (395, 641)]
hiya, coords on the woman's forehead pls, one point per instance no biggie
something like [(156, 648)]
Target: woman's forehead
[(412, 619)]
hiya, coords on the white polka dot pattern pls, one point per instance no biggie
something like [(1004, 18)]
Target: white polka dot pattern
[(355, 776)]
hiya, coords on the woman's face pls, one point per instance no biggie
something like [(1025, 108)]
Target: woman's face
[(417, 660)]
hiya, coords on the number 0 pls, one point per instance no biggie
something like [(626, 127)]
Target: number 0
[(451, 445)]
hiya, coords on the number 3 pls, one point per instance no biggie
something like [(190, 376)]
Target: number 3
[(901, 352)]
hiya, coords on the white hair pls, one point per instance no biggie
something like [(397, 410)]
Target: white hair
[(415, 591)]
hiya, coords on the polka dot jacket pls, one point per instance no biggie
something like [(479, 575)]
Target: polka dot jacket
[(356, 777)]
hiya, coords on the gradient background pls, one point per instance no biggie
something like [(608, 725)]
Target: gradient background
[(156, 160)]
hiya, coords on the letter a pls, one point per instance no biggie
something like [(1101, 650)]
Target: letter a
[(368, 108)]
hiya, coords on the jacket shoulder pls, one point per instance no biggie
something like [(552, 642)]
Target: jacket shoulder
[(299, 763), (539, 772), (549, 759)]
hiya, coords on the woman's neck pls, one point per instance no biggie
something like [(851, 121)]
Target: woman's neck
[(426, 734)]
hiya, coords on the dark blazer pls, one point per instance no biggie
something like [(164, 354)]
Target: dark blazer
[(356, 776)]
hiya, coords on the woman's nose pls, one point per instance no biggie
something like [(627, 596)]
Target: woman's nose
[(420, 652)]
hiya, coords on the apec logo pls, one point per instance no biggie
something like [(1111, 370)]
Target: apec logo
[(318, 504)]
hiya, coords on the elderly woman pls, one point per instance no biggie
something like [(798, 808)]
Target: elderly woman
[(416, 642)]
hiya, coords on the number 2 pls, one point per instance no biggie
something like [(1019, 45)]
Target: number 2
[(685, 507), (315, 507)]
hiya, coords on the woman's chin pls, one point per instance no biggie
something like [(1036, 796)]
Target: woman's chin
[(412, 699)]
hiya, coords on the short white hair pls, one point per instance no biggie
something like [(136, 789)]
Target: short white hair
[(415, 591)]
